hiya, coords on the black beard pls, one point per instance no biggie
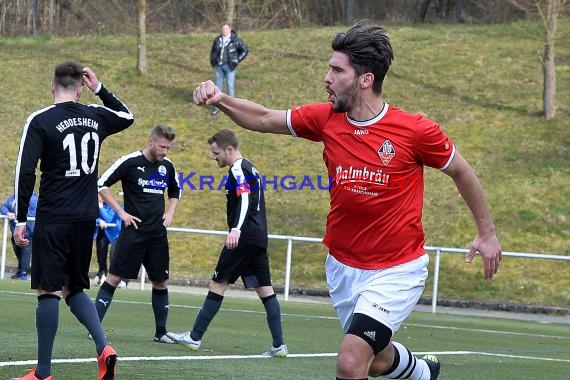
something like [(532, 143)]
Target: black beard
[(341, 105), (344, 102)]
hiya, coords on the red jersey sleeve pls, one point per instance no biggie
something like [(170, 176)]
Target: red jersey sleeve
[(434, 148), (307, 121)]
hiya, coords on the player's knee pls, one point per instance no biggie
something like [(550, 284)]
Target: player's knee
[(371, 331), (347, 363), (70, 294), (160, 285), (218, 288)]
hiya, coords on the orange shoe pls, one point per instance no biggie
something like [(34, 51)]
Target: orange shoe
[(107, 363), (31, 376)]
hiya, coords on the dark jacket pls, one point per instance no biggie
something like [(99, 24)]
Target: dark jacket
[(236, 51)]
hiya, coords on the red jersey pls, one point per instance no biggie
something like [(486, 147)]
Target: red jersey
[(376, 167)]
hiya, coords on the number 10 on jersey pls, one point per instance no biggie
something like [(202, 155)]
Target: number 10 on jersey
[(69, 143)]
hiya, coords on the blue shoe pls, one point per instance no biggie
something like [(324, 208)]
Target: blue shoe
[(24, 277), (16, 276)]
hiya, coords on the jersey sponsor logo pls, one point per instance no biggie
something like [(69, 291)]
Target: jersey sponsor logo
[(73, 173), (153, 182), (360, 132), (141, 168), (371, 335), (153, 191), (156, 182), (363, 175), (386, 152)]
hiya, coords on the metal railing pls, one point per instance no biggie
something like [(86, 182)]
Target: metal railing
[(289, 255)]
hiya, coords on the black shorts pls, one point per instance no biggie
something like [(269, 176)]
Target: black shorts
[(62, 255), (246, 261), (134, 248)]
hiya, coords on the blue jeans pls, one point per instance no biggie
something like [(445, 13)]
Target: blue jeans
[(24, 256), (225, 72)]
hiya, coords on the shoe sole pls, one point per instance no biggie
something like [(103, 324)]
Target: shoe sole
[(276, 355), (188, 346), (158, 340), (192, 348), (111, 362)]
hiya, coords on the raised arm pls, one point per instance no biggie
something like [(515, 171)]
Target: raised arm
[(486, 242), (243, 112), (118, 115)]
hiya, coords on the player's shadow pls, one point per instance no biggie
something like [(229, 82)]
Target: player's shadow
[(465, 97), (182, 91), (177, 93)]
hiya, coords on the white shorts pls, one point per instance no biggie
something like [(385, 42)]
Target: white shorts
[(387, 295)]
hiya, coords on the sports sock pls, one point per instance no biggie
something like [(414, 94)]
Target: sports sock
[(273, 311), (209, 309), (84, 310), (160, 307), (406, 365), (47, 318), (103, 299)]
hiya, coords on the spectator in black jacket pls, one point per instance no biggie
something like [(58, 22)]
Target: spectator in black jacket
[(228, 50)]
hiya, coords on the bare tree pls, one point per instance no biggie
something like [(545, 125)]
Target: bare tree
[(231, 6), (51, 16), (141, 45), (549, 11), (349, 16), (34, 17)]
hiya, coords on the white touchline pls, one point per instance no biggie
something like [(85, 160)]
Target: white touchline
[(486, 331), (240, 357)]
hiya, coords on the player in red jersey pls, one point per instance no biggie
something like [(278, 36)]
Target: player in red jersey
[(376, 267)]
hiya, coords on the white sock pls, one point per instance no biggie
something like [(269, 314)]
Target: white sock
[(407, 365)]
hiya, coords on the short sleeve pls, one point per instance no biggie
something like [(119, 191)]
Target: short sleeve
[(434, 148), (308, 121)]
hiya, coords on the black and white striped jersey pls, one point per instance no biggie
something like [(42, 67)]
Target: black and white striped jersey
[(144, 185), (66, 138), (246, 203)]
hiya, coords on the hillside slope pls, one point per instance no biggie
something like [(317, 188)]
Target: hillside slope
[(481, 82)]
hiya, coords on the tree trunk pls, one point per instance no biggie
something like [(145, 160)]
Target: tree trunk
[(51, 17), (424, 5), (34, 18), (550, 15), (141, 47), (459, 11), (230, 10), (349, 12)]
